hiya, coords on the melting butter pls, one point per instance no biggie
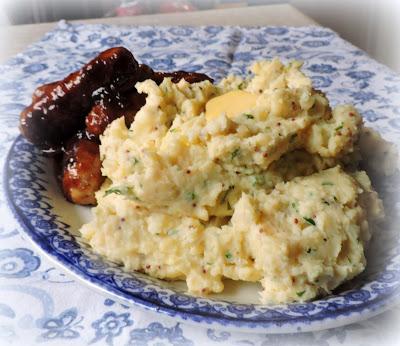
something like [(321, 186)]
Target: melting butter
[(233, 104)]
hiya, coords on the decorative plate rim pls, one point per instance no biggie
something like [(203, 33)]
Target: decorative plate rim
[(343, 315)]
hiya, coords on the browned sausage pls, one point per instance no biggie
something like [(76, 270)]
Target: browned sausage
[(58, 109), (191, 77), (81, 174), (105, 111)]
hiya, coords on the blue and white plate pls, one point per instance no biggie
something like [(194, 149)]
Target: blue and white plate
[(341, 70)]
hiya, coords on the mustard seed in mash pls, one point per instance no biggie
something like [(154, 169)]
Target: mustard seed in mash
[(250, 179)]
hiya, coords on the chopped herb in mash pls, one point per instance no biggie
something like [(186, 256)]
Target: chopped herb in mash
[(339, 127), (228, 255), (235, 153), (190, 196), (116, 190), (309, 220), (327, 183), (122, 190), (299, 294)]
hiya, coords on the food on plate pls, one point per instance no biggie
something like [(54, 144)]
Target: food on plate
[(81, 170), (66, 118), (250, 179), (58, 109)]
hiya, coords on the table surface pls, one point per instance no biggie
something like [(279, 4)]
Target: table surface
[(15, 38)]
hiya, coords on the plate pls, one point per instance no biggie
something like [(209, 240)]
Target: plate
[(51, 223), (336, 67)]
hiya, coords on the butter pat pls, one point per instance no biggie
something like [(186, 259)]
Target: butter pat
[(232, 104)]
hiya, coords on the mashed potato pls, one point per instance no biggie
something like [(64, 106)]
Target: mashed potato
[(249, 179)]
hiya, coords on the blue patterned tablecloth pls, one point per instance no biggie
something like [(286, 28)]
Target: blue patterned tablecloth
[(40, 304)]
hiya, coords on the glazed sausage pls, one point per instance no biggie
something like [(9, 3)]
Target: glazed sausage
[(81, 170), (191, 77), (58, 109), (106, 110)]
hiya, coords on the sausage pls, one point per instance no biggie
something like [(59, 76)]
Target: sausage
[(107, 109), (81, 170), (190, 77), (58, 109)]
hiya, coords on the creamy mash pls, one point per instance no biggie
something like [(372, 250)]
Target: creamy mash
[(249, 179)]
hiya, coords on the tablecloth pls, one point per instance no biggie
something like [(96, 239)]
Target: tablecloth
[(39, 304)]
